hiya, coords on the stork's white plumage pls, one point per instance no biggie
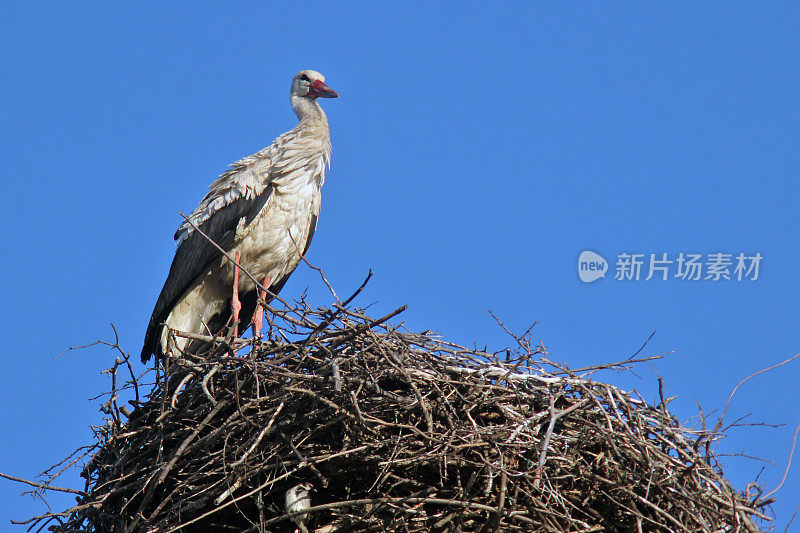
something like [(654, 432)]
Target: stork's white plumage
[(263, 210)]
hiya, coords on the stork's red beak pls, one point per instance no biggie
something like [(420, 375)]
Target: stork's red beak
[(318, 88)]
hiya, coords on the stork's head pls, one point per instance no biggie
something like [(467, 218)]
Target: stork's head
[(311, 84), (298, 492)]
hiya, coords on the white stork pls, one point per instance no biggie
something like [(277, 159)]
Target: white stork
[(262, 212), (298, 499)]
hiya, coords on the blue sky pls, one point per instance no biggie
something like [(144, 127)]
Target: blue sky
[(477, 152)]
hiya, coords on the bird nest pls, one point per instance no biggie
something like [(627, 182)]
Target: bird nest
[(396, 431)]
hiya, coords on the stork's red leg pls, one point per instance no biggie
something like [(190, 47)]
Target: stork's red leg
[(258, 316), (236, 305)]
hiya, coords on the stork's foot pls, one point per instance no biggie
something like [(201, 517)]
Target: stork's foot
[(236, 305), (258, 315)]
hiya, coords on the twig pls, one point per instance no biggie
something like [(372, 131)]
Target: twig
[(788, 463), (44, 486), (745, 380)]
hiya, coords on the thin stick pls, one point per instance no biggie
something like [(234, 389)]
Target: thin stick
[(745, 380), (788, 464), (44, 486)]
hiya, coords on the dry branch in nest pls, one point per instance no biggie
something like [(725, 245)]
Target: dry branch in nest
[(396, 431)]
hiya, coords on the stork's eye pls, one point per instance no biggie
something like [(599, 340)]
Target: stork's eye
[(305, 78)]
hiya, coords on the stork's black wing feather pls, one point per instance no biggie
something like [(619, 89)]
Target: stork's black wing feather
[(194, 255)]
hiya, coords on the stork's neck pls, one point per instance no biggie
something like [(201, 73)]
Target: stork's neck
[(308, 109)]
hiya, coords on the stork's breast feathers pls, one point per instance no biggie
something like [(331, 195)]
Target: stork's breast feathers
[(272, 244)]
